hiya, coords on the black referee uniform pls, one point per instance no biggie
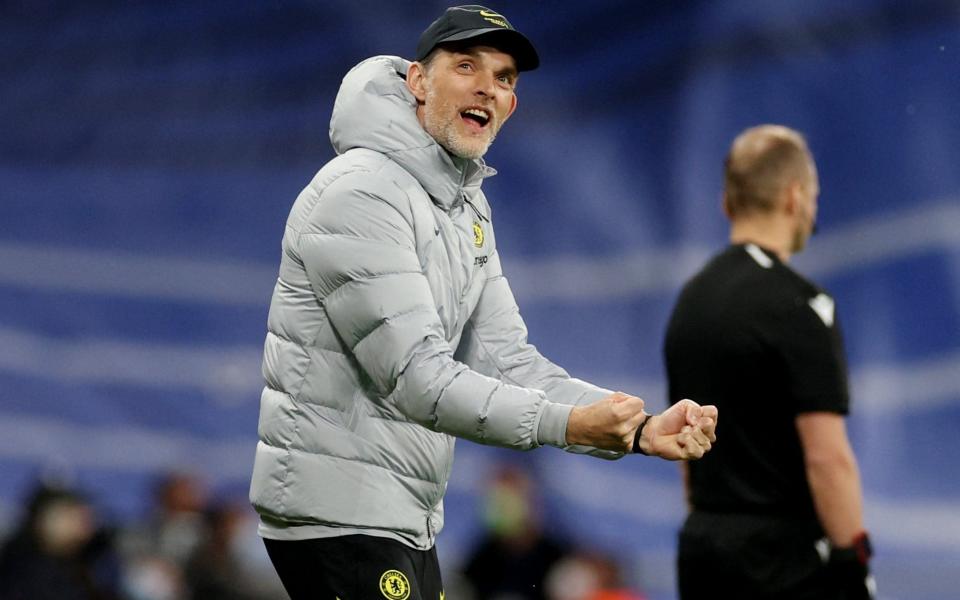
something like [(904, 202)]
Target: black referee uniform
[(759, 341)]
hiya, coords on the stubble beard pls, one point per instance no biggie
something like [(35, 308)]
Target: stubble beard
[(799, 241), (440, 120), (801, 236)]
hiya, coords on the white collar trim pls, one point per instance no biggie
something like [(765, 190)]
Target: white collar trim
[(758, 255)]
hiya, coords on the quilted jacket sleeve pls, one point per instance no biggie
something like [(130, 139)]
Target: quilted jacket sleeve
[(495, 343), (358, 248)]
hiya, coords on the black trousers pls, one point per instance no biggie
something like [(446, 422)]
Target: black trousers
[(355, 567), (752, 557)]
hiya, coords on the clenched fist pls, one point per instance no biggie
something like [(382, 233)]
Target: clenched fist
[(607, 424), (684, 431)]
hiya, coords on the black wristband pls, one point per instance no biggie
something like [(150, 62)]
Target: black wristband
[(636, 437), (860, 551), (849, 568)]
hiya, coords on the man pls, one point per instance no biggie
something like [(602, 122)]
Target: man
[(392, 329), (761, 342)]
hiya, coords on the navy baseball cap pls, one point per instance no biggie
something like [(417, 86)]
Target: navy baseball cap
[(460, 23)]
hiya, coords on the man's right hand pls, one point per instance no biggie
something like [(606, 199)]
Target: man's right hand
[(607, 424)]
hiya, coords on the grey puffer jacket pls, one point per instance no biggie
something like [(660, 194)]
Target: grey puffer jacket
[(392, 330)]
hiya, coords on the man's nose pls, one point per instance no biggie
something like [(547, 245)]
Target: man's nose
[(484, 84)]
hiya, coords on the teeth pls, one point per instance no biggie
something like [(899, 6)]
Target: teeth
[(477, 113)]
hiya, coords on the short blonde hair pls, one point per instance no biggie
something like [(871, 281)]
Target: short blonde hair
[(763, 160)]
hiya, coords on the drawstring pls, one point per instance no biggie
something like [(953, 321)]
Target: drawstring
[(475, 209)]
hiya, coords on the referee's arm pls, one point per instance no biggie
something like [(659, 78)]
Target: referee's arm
[(832, 474)]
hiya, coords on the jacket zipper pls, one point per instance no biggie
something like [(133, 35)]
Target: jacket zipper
[(475, 209)]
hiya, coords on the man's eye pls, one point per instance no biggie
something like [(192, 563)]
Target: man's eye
[(465, 66)]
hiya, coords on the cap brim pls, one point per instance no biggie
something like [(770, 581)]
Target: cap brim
[(510, 41)]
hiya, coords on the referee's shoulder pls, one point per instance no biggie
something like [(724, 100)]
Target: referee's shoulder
[(800, 300), (771, 281)]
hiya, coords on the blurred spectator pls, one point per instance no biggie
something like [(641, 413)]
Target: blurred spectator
[(588, 576), (220, 569), (156, 552), (57, 553), (513, 559)]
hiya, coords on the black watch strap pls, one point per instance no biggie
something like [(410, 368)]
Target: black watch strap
[(636, 437)]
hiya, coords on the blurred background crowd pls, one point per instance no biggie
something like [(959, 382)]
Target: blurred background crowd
[(150, 151), (192, 545), (187, 545)]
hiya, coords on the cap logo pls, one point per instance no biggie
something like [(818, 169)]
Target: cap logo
[(492, 17)]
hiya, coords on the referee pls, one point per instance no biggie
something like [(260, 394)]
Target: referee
[(776, 509)]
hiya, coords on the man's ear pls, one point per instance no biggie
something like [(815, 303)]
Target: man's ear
[(416, 75), (794, 198)]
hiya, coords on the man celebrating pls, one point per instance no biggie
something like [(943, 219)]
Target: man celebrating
[(392, 329), (776, 508)]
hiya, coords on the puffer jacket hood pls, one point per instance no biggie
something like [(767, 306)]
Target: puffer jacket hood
[(375, 110)]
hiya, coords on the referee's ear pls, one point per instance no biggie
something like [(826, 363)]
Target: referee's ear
[(725, 206), (794, 198)]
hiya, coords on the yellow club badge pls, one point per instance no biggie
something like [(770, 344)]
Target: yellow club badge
[(394, 585), (477, 235)]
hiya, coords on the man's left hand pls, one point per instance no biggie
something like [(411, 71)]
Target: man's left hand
[(684, 431)]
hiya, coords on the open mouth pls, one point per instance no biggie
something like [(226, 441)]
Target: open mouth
[(475, 117)]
